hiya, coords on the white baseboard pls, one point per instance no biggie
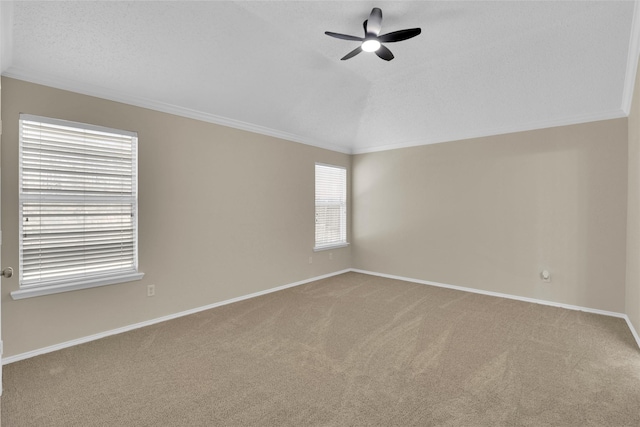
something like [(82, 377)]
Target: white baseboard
[(633, 330), (508, 296), (55, 347)]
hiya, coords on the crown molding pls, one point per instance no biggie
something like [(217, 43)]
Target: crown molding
[(632, 61), (111, 95), (100, 92), (544, 124)]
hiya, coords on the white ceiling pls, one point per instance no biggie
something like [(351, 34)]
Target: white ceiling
[(478, 68)]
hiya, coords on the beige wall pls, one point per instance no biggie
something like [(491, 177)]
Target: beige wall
[(223, 213), (487, 213), (491, 213), (633, 211)]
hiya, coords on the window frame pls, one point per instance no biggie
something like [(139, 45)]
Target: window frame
[(344, 215), (64, 284)]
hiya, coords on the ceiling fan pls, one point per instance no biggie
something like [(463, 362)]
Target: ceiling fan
[(372, 41)]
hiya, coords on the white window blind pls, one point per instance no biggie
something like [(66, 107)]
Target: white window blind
[(78, 203), (331, 206)]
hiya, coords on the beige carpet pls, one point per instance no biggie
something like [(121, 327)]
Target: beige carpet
[(350, 350)]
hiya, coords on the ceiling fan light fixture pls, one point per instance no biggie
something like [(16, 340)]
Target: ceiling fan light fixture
[(372, 41), (370, 45)]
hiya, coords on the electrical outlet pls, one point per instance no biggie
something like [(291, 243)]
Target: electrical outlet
[(330, 255), (310, 260), (151, 290)]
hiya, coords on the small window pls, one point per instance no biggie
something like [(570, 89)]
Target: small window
[(78, 206), (331, 206)]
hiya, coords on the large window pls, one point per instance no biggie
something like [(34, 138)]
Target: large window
[(78, 206), (331, 206)]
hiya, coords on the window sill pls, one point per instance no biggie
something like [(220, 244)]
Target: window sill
[(327, 247), (76, 285)]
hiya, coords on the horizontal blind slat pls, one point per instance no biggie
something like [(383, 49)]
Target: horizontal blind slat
[(74, 273), (54, 253), (79, 262)]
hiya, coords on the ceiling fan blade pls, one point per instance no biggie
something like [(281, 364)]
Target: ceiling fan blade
[(353, 53), (343, 36), (384, 53), (397, 36), (375, 21)]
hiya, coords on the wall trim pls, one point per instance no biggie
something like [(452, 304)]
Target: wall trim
[(89, 338), (633, 330), (77, 341), (103, 93), (99, 92), (484, 133), (509, 296)]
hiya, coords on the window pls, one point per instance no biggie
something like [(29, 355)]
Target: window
[(331, 206), (78, 206)]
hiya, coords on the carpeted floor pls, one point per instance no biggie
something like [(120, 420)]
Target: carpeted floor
[(349, 350)]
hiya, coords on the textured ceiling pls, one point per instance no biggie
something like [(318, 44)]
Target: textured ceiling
[(478, 68)]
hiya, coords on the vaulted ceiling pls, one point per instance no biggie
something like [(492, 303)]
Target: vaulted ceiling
[(478, 68)]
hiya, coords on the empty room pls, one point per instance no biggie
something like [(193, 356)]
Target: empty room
[(320, 213)]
